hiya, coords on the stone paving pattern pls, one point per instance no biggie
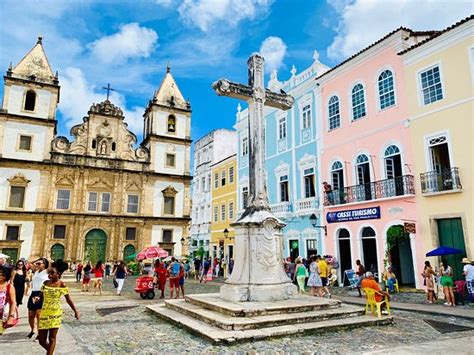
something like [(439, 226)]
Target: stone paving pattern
[(137, 331)]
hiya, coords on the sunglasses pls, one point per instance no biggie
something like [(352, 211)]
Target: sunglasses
[(52, 272)]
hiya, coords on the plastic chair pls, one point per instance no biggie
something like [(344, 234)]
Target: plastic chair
[(372, 302), (395, 285)]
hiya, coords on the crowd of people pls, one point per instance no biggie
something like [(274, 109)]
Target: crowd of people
[(41, 282), (315, 273), (455, 291)]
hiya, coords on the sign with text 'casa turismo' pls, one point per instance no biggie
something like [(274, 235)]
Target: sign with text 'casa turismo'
[(353, 215)]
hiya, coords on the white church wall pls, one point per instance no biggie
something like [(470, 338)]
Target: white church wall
[(225, 144), (158, 198), (160, 121), (11, 141), (160, 151), (157, 233), (32, 190), (26, 234), (16, 102)]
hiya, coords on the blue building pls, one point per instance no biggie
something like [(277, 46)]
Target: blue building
[(291, 142)]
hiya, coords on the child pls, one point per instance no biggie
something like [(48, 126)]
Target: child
[(51, 313)]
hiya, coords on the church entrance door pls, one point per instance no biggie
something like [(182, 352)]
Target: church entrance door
[(95, 246)]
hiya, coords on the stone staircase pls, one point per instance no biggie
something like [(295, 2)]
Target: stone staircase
[(222, 321)]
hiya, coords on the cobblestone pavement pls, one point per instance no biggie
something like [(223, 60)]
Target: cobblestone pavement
[(136, 331)]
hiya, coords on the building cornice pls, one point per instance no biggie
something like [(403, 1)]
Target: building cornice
[(95, 215), (168, 108), (162, 138), (49, 163), (29, 81), (28, 119)]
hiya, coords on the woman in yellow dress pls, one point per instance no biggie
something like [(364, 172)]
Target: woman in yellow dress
[(51, 312)]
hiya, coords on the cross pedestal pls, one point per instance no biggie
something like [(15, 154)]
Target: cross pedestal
[(258, 273)]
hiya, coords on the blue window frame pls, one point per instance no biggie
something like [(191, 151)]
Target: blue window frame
[(431, 85)]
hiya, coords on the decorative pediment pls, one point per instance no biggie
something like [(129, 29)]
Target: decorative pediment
[(282, 168), (101, 183), (306, 160), (64, 180), (106, 108), (170, 191), (18, 180), (133, 186)]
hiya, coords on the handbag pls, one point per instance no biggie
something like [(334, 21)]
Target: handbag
[(6, 312), (115, 283)]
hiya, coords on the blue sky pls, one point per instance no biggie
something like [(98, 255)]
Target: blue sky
[(128, 43)]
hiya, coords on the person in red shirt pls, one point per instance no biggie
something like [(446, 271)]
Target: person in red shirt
[(162, 275), (99, 275), (369, 282), (79, 272)]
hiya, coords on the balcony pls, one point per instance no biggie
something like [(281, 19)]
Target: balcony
[(440, 181), (281, 208), (306, 205), (399, 186)]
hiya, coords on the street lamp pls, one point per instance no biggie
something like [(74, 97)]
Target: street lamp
[(182, 241), (314, 220), (226, 233)]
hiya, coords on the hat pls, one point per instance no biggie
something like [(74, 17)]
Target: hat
[(368, 274), (465, 261)]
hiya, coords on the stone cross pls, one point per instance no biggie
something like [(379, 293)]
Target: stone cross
[(257, 97), (109, 89)]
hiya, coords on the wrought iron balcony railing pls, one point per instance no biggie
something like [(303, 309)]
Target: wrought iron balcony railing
[(438, 181), (398, 186)]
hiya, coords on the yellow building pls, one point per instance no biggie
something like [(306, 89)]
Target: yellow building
[(224, 208), (439, 75)]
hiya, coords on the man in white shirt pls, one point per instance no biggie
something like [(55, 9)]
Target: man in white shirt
[(468, 272), (34, 302)]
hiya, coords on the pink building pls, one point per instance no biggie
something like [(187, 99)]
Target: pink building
[(367, 160)]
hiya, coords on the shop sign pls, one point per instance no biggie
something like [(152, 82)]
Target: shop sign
[(353, 215)]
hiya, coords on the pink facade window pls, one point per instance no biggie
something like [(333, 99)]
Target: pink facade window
[(386, 89), (334, 113)]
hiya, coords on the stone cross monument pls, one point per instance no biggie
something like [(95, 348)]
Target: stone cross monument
[(258, 274)]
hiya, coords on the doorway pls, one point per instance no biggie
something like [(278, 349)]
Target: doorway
[(95, 246), (363, 190), (369, 250), (57, 252), (451, 235), (345, 256), (393, 172), (401, 255), (12, 253), (294, 249), (128, 250)]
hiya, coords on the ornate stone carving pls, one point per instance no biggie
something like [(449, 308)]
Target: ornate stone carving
[(64, 180), (106, 108), (169, 191), (18, 180)]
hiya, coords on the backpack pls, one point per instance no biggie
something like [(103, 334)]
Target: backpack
[(174, 272)]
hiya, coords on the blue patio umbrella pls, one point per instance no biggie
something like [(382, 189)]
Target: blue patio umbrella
[(444, 251)]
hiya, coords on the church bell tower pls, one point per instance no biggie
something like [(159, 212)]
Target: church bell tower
[(28, 113)]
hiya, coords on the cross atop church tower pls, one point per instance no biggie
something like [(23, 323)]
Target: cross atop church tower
[(109, 89)]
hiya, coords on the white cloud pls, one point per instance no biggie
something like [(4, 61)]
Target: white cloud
[(77, 96), (364, 21), (165, 3), (273, 49), (132, 41), (206, 14)]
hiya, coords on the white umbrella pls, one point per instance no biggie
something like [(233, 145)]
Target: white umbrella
[(4, 256)]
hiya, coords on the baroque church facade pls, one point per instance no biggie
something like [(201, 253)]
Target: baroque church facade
[(96, 196)]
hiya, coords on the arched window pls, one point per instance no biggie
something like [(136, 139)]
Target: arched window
[(361, 159), (386, 89), (94, 144), (57, 252), (391, 150), (393, 167), (30, 100), (114, 146), (334, 113), (358, 102), (337, 176), (171, 124)]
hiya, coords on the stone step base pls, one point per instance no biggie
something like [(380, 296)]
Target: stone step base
[(218, 335), (296, 304), (227, 322)]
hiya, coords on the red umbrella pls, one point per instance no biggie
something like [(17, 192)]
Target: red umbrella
[(152, 252)]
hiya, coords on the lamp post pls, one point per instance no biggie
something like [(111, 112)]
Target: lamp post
[(226, 233), (314, 220)]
